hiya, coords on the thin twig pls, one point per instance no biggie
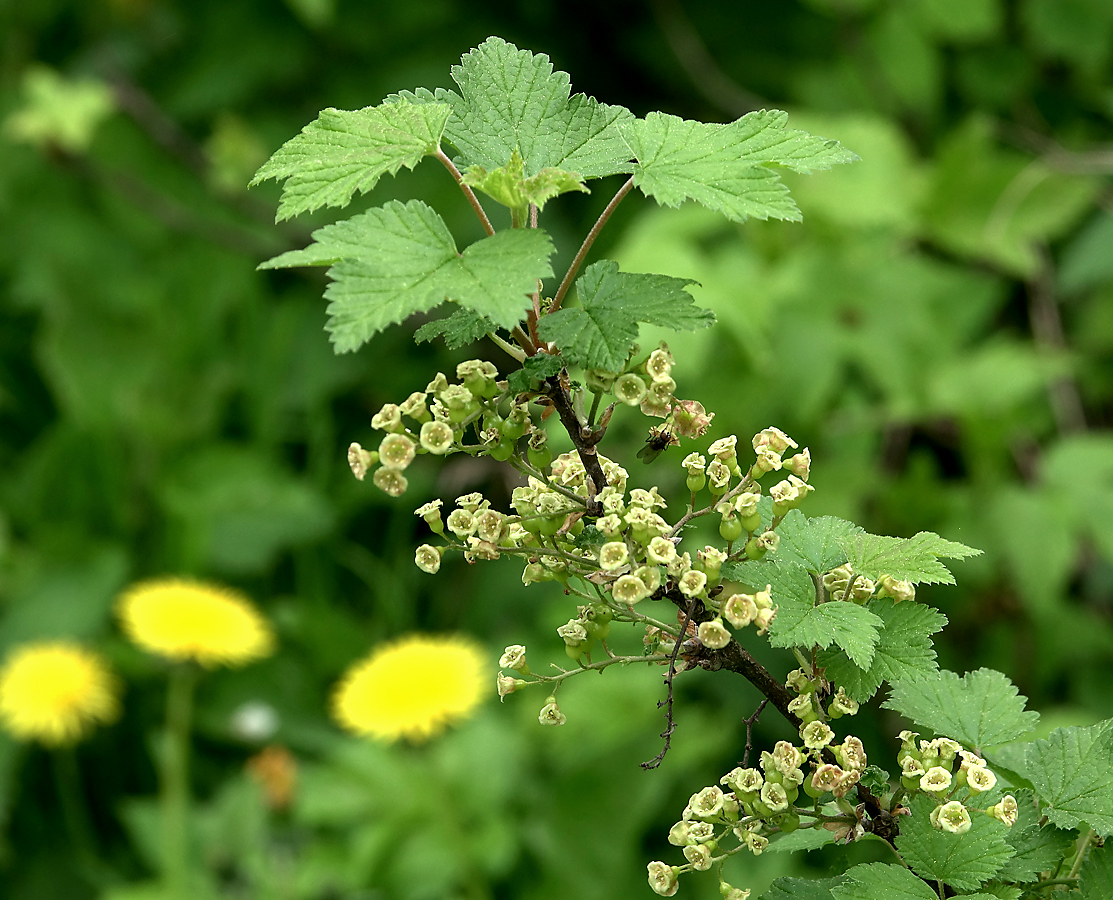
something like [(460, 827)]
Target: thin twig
[(570, 275), (670, 722), (750, 722)]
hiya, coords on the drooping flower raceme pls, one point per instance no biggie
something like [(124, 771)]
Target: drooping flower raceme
[(412, 688), (190, 620), (55, 692)]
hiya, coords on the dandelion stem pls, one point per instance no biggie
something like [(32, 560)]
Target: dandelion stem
[(175, 781), (76, 816)]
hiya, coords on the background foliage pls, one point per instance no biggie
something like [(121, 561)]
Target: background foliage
[(939, 331)]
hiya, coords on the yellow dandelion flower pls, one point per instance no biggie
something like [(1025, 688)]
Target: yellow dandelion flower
[(412, 688), (183, 620), (55, 692)]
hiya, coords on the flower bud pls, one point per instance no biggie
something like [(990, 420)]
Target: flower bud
[(428, 558), (713, 634), (514, 657), (390, 481), (898, 590), (663, 878)]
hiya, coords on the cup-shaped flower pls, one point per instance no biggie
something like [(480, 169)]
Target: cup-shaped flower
[(663, 878), (713, 634), (842, 705), (816, 735), (55, 692), (436, 437), (360, 460), (514, 657), (190, 620), (678, 834), (550, 714), (707, 803), (428, 558), (692, 583), (827, 777), (390, 481), (764, 619), (461, 523), (507, 684), (799, 465), (629, 589), (613, 556), (739, 610), (911, 767), (414, 406), (729, 892), (1005, 811), (773, 439), (699, 855), (936, 780), (397, 451), (413, 688), (851, 753), (952, 817), (431, 514), (774, 796), (659, 364), (979, 779), (389, 418), (690, 419), (630, 389), (660, 551)]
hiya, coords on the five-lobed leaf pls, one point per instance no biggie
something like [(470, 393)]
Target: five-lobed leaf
[(512, 99), (964, 861), (980, 709), (914, 559), (1095, 879), (726, 167), (1072, 772), (343, 151), (1036, 849), (399, 259), (600, 333), (814, 543)]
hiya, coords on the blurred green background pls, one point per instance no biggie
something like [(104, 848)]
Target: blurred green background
[(939, 331)]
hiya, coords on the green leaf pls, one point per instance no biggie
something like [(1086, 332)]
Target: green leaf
[(391, 262), (905, 651), (914, 559), (1096, 876), (882, 881), (535, 368), (963, 861), (801, 840), (1035, 849), (800, 623), (726, 167), (590, 537), (979, 709), (344, 151), (801, 889), (511, 99), (814, 543), (1072, 772), (510, 187), (463, 327), (601, 333)]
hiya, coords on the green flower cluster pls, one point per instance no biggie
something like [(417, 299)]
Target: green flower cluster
[(928, 767)]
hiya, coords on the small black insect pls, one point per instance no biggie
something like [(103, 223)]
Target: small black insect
[(660, 439)]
